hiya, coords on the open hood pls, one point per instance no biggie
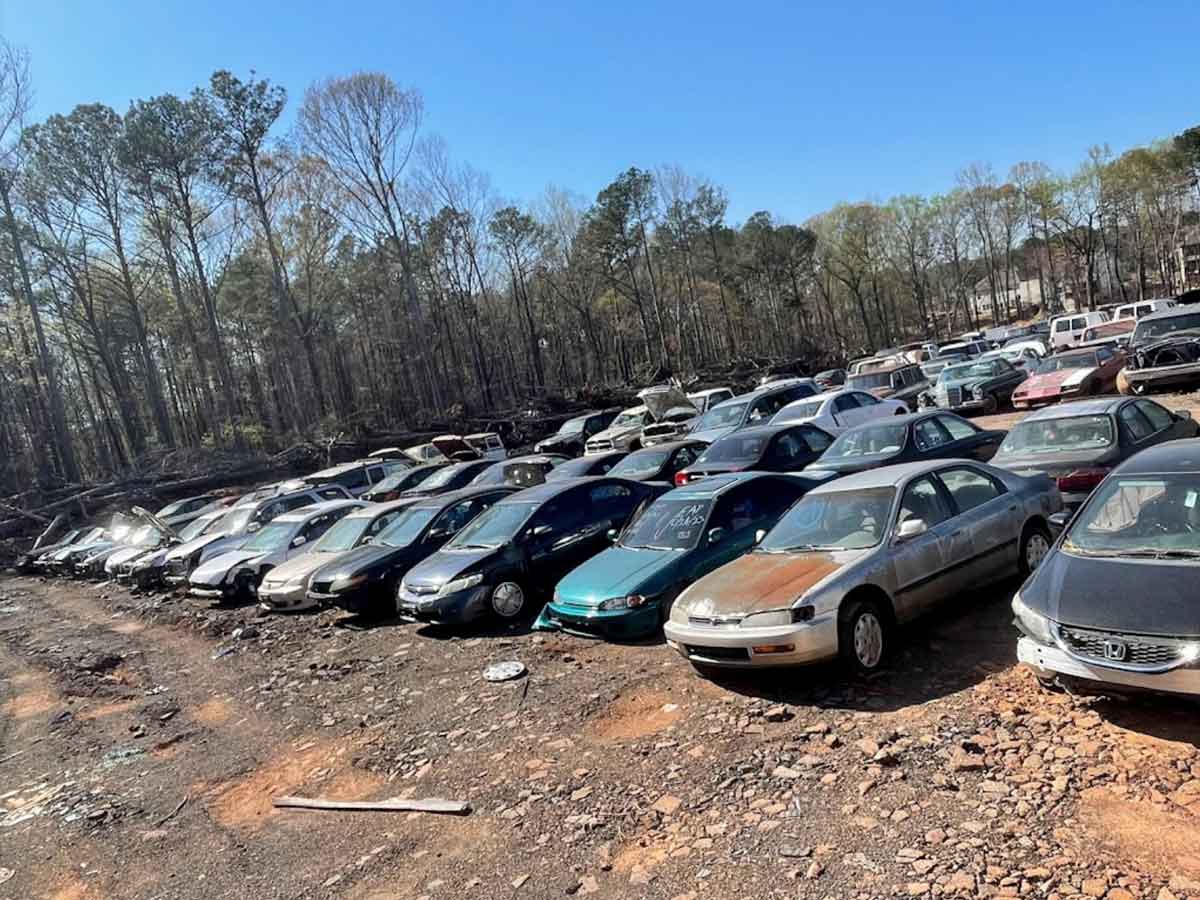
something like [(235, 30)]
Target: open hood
[(161, 526), (666, 399), (452, 446)]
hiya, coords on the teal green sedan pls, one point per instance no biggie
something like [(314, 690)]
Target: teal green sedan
[(626, 591)]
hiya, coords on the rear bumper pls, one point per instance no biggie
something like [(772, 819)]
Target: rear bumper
[(1052, 662), (748, 648)]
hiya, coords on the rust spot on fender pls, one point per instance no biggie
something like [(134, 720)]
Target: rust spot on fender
[(756, 582)]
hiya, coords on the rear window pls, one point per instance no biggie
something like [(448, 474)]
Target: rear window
[(883, 438), (1060, 435), (869, 380), (735, 448), (1162, 327)]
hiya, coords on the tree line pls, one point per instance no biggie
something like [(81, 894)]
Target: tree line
[(186, 274)]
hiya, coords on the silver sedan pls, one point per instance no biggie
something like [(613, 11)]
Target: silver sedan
[(858, 556)]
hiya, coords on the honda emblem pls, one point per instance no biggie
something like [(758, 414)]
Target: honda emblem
[(1116, 650)]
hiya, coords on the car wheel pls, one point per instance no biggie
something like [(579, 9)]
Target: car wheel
[(990, 404), (863, 638), (508, 600), (1035, 546)]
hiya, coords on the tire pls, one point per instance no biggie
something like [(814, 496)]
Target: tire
[(1035, 545), (864, 636), (508, 600), (991, 404)]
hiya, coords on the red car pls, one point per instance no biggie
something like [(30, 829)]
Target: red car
[(1066, 376)]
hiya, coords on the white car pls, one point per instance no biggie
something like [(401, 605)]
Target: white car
[(1066, 331), (835, 411)]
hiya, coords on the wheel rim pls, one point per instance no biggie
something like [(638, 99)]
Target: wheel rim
[(868, 640), (508, 599), (1036, 549)]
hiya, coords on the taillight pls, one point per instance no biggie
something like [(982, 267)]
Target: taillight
[(1081, 480), (681, 478)]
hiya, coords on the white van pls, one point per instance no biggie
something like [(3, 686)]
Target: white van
[(1144, 308), (1066, 331)]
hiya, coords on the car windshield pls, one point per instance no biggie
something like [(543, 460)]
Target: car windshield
[(721, 416), (1150, 516), (628, 420), (1162, 327), (668, 523), (644, 462), (1069, 361), (795, 412), (869, 380), (343, 535), (887, 437), (983, 369), (842, 520), (494, 527), (572, 426), (199, 526), (407, 527), (443, 476), (271, 537), (143, 537), (521, 474), (735, 448), (1060, 435)]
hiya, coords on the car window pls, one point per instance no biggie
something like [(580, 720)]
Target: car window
[(453, 519), (922, 500), (866, 399), (969, 488), (684, 456), (929, 435), (773, 495), (1062, 325), (959, 429), (330, 493), (314, 528), (1158, 417), (1078, 323), (788, 446), (845, 402), (383, 522), (1104, 354), (1135, 423), (817, 440)]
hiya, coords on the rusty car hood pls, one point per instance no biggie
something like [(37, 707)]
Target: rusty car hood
[(761, 581)]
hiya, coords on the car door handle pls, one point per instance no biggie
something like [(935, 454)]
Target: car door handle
[(1013, 508)]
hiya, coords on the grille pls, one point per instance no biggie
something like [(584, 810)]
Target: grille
[(421, 590), (733, 653), (1139, 650), (714, 621), (954, 396), (654, 430), (599, 445)]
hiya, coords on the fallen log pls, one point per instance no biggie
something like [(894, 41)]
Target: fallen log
[(432, 805), (26, 514)]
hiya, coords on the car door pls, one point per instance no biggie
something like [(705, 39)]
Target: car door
[(969, 442), (987, 523), (1165, 426), (922, 564), (930, 439), (846, 410), (869, 408), (1137, 428)]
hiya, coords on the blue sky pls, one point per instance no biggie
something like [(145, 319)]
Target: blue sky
[(790, 106)]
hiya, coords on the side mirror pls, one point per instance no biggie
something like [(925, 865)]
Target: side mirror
[(911, 528), (612, 534), (539, 531), (715, 535), (759, 535), (299, 540), (253, 527), (1059, 520), (1183, 414)]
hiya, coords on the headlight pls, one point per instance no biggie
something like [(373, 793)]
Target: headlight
[(777, 617), (347, 582), (633, 601), (1032, 623), (460, 584)]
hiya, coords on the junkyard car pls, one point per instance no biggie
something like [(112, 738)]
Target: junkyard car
[(767, 448), (627, 590), (830, 379), (624, 433), (754, 408), (674, 414), (935, 434), (659, 463), (585, 466), (28, 561), (982, 385), (1079, 443), (1164, 350), (450, 478), (235, 575), (357, 478), (56, 559), (1025, 358), (904, 382), (365, 579), (518, 549), (1113, 606), (147, 569), (574, 434), (285, 587), (399, 482), (835, 411), (1108, 334), (519, 471), (182, 512), (860, 555), (1071, 374)]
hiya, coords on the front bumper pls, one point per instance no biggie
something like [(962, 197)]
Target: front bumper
[(452, 609), (286, 598), (735, 647), (612, 624), (1163, 375), (1051, 662)]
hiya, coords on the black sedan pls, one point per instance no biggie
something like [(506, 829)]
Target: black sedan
[(660, 462), (1112, 605), (364, 580), (830, 379), (519, 549), (450, 478), (767, 448), (1079, 443), (520, 471), (928, 435), (399, 482), (587, 466)]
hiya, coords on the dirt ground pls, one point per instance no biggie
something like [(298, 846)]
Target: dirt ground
[(143, 739)]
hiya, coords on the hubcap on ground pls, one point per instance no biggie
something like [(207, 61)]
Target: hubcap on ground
[(1035, 550), (508, 599), (868, 640)]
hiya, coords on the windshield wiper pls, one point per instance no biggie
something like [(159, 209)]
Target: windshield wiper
[(473, 547), (1158, 553)]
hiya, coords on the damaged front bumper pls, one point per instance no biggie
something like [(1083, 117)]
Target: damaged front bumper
[(755, 647), (615, 624), (1055, 664)]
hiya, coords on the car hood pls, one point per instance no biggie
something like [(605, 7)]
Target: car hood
[(446, 565), (558, 440), (124, 554), (961, 383), (663, 401), (761, 581), (613, 433), (712, 434), (187, 548), (154, 558), (1110, 594), (618, 572), (213, 571), (452, 446), (303, 565), (1059, 379)]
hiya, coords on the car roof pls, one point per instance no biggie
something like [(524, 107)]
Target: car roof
[(1171, 456), (672, 445), (439, 501), (1091, 407), (342, 468), (708, 392), (1168, 313), (885, 476), (533, 458), (715, 485), (763, 391), (316, 509), (765, 431), (374, 510), (548, 490)]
